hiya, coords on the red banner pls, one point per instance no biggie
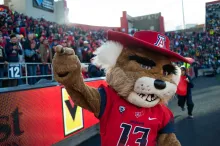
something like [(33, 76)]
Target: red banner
[(41, 117)]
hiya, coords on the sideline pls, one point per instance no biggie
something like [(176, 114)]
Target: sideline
[(79, 138)]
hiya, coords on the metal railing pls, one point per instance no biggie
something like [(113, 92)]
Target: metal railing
[(15, 71), (26, 74)]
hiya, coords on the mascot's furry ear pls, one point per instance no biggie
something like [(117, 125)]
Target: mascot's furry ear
[(107, 54), (176, 77)]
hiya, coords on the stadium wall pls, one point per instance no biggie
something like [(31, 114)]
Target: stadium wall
[(38, 13), (153, 22), (124, 22), (18, 6), (61, 12), (161, 21)]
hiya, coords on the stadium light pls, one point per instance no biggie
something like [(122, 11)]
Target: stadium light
[(183, 15)]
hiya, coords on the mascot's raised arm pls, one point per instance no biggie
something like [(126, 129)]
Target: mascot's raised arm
[(140, 78)]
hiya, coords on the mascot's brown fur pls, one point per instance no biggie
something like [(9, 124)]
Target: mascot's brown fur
[(126, 73)]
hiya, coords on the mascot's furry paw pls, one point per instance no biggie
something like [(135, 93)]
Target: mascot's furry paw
[(66, 65), (168, 140), (67, 71)]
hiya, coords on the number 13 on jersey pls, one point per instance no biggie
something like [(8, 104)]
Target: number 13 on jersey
[(14, 70), (127, 133)]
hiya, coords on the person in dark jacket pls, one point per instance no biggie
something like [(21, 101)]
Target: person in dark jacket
[(3, 62), (31, 56), (196, 68), (27, 43), (45, 52), (12, 50), (52, 48), (94, 71), (187, 98)]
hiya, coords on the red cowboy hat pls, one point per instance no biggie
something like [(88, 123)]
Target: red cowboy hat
[(190, 59), (150, 40)]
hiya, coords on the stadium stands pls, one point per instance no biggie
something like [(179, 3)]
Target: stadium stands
[(30, 43), (213, 18)]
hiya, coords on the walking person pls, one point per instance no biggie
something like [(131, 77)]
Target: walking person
[(184, 93)]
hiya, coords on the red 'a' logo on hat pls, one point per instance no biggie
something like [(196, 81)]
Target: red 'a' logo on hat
[(160, 41)]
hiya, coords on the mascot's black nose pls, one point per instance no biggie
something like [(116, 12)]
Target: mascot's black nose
[(159, 84)]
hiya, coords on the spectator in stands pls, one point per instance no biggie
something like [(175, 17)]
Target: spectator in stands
[(95, 71), (2, 41), (69, 44), (64, 43), (52, 48), (31, 56), (2, 20), (12, 50), (27, 43), (21, 57), (45, 56), (87, 52), (85, 71), (79, 51), (80, 40), (40, 41), (3, 61)]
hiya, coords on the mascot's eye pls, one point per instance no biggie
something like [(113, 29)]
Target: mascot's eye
[(144, 62), (146, 67), (169, 69)]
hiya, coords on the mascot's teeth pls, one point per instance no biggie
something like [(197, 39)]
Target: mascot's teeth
[(141, 95), (153, 97), (149, 98)]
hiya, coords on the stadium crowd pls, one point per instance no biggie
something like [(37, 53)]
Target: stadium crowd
[(24, 39), (203, 47), (213, 19)]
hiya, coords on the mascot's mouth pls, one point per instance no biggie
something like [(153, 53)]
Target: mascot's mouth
[(148, 97), (61, 75)]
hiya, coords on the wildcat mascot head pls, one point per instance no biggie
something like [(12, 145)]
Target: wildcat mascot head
[(140, 68)]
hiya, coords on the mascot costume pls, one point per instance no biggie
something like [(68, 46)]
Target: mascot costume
[(141, 77)]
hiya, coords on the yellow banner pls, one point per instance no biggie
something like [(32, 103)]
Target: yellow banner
[(72, 114)]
